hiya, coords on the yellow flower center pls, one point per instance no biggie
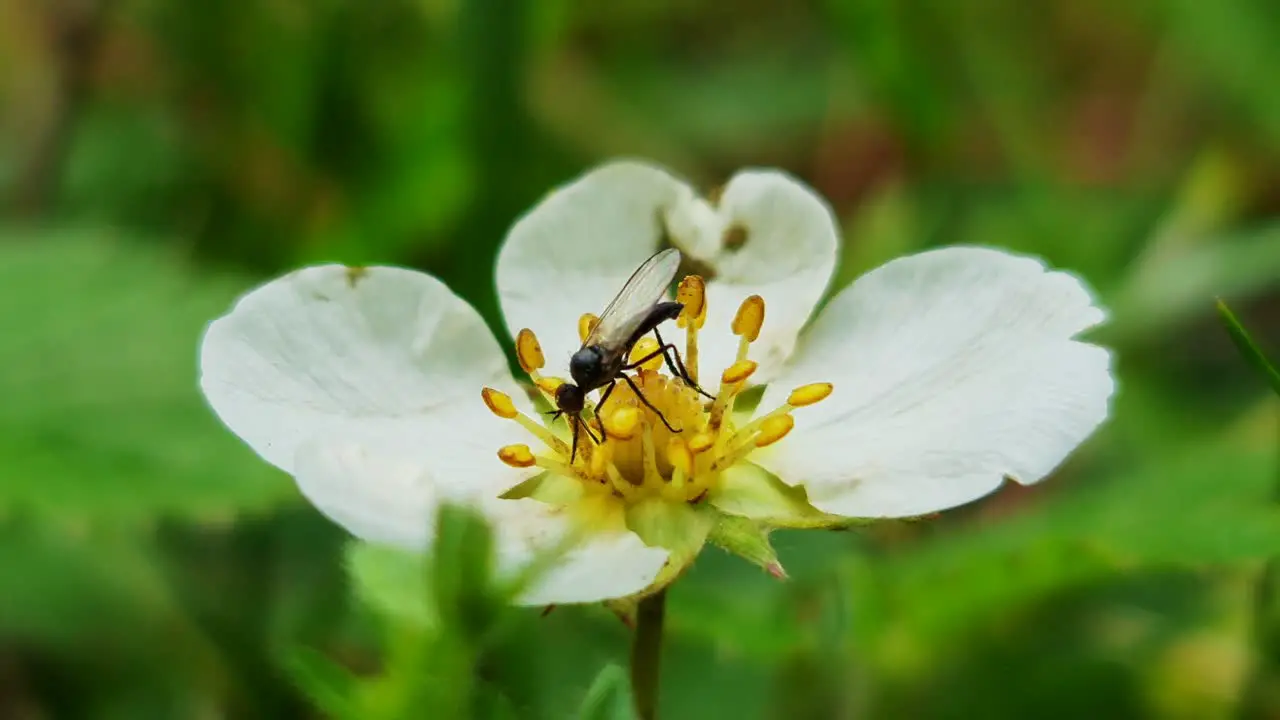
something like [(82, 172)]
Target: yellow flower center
[(640, 458)]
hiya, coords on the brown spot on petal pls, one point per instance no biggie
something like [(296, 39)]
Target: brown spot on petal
[(713, 196), (356, 273), (735, 236), (688, 265)]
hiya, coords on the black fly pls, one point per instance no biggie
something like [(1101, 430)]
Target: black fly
[(637, 310)]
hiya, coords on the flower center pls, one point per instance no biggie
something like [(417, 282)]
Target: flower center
[(658, 436)]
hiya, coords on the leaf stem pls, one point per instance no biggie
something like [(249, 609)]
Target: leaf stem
[(646, 654)]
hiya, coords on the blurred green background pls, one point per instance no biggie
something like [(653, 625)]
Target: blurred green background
[(159, 157)]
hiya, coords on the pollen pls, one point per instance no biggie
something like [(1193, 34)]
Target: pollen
[(680, 456), (647, 353), (650, 435), (549, 385), (809, 394), (622, 423), (529, 351), (738, 372), (701, 442), (517, 456), (692, 294), (499, 403), (774, 429), (586, 324), (750, 318)]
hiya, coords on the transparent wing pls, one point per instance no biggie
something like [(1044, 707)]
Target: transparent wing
[(645, 288)]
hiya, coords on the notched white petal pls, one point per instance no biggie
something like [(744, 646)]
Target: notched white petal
[(573, 251), (765, 233), (775, 238), (953, 369), (368, 351)]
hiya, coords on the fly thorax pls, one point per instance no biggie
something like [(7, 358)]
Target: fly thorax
[(586, 365)]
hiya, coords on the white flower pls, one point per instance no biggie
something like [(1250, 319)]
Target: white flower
[(922, 386)]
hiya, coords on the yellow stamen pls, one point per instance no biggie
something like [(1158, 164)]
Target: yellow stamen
[(621, 424), (499, 403), (586, 324), (738, 372), (750, 318), (548, 385), (809, 394), (650, 457), (517, 456), (681, 459), (599, 459), (556, 466), (543, 434), (619, 483), (701, 442), (529, 351), (692, 294), (635, 458), (774, 429), (643, 349)]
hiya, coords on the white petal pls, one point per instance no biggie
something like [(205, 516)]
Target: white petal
[(573, 251), (382, 496), (789, 255), (375, 493), (387, 353), (953, 369), (600, 567)]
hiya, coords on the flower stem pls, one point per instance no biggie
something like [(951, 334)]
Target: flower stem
[(646, 654)]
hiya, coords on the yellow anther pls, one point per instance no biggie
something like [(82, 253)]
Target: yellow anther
[(750, 318), (548, 385), (529, 352), (622, 423), (738, 372), (692, 293), (599, 459), (774, 429), (679, 455), (499, 403), (645, 348), (701, 442), (809, 394), (517, 456), (586, 324)]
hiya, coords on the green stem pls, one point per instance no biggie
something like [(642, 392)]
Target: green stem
[(646, 654)]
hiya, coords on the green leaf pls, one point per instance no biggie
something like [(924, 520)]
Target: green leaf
[(391, 582), (1248, 348), (1203, 505), (1179, 284), (462, 567), (102, 416), (609, 697), (328, 684)]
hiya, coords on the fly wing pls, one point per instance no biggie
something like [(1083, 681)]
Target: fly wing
[(645, 288)]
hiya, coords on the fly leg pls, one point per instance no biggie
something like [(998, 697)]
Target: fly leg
[(580, 424), (680, 373), (645, 400), (677, 368), (600, 406)]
